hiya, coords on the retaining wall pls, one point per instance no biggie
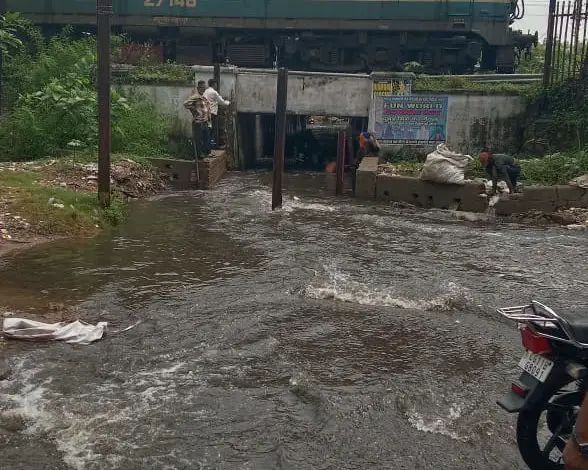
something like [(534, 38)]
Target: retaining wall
[(474, 120), (470, 197)]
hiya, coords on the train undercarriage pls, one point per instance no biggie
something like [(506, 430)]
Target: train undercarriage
[(350, 52)]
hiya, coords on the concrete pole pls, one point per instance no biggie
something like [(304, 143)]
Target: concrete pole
[(103, 14), (280, 138)]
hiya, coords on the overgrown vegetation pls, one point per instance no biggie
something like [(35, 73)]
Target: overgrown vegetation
[(52, 101), (55, 211), (159, 73), (448, 83)]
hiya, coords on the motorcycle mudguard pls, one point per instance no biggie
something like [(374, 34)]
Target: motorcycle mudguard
[(513, 403)]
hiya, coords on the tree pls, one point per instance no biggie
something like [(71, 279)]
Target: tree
[(9, 42)]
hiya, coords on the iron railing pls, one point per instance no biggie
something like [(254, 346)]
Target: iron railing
[(566, 55)]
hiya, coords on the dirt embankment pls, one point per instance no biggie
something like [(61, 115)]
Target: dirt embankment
[(41, 201)]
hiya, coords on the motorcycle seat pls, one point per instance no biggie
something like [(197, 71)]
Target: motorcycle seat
[(578, 322)]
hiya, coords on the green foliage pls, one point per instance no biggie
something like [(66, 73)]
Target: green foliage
[(559, 168), (116, 213), (534, 61), (559, 116), (444, 84), (142, 130), (161, 73), (53, 102), (9, 41)]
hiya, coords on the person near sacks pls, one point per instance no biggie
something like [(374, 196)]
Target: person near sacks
[(501, 167)]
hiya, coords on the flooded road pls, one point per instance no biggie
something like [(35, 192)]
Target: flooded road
[(331, 335)]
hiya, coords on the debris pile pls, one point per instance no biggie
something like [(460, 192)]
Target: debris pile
[(573, 219)]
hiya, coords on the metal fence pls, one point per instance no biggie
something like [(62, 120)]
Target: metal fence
[(566, 55)]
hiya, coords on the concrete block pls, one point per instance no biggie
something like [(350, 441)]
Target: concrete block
[(400, 189), (179, 171), (365, 184), (572, 196), (365, 178), (540, 193), (426, 194), (521, 205)]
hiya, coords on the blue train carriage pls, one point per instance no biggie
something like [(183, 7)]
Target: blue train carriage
[(328, 35)]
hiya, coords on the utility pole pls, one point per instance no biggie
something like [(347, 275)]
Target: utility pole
[(2, 12), (549, 45), (103, 14), (280, 138)]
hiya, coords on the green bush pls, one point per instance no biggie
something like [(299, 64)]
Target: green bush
[(142, 130), (559, 168), (53, 102)]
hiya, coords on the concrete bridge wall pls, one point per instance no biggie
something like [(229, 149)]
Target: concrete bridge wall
[(473, 120)]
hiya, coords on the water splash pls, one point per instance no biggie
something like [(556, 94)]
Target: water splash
[(341, 287)]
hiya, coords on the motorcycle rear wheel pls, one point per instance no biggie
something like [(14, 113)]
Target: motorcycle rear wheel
[(560, 406)]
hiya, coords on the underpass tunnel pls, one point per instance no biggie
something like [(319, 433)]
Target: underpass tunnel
[(311, 141)]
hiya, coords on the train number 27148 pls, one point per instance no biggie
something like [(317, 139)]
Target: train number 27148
[(172, 3)]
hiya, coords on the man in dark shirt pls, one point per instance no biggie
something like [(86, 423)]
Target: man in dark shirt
[(501, 167)]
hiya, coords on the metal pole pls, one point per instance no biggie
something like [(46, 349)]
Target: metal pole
[(103, 14), (280, 138), (549, 44), (341, 151), (217, 78)]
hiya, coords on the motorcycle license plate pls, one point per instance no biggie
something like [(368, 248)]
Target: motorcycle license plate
[(536, 365)]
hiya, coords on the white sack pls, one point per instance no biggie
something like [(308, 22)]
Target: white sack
[(580, 181), (77, 332), (444, 166)]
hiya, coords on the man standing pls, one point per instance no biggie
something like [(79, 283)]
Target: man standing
[(214, 98), (200, 109), (501, 167)]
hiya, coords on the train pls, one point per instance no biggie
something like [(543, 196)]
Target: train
[(437, 36)]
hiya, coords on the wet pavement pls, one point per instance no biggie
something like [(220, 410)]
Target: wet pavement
[(333, 334)]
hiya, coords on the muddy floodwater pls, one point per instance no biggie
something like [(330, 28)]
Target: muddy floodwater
[(333, 334)]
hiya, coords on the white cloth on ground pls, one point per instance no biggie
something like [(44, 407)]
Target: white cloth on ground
[(214, 98), (77, 332)]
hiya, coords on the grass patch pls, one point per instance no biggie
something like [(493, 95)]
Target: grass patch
[(449, 84), (41, 205)]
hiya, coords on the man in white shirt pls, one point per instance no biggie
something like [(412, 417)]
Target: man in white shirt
[(215, 99)]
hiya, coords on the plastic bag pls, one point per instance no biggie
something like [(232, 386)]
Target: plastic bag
[(444, 166), (77, 332)]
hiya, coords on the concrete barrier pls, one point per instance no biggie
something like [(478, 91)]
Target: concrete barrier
[(543, 198), (182, 173), (420, 193), (365, 178), (469, 197)]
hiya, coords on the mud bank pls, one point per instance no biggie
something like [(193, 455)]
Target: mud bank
[(50, 199)]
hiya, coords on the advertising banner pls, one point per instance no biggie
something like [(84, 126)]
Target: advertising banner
[(416, 119)]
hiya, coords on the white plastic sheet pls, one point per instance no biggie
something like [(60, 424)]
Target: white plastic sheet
[(444, 166), (77, 332)]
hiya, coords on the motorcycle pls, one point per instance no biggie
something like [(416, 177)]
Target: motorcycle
[(551, 388)]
